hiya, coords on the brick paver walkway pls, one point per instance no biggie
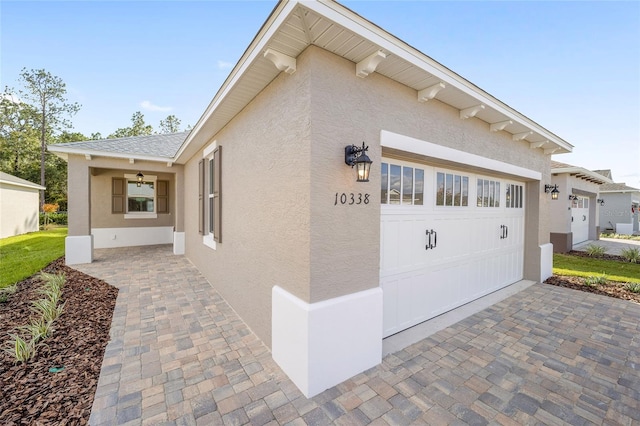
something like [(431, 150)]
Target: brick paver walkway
[(180, 355)]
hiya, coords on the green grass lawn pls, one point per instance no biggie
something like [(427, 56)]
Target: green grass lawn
[(24, 255), (586, 266)]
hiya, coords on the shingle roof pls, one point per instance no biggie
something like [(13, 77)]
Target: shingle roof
[(7, 178), (164, 145), (617, 187), (606, 173), (579, 172)]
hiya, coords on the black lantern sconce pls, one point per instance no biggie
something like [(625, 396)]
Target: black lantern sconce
[(600, 201), (354, 156), (140, 177), (573, 197), (553, 189)]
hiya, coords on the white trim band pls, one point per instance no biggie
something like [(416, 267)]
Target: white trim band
[(428, 149)]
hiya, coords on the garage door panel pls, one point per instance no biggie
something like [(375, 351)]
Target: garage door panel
[(474, 251)]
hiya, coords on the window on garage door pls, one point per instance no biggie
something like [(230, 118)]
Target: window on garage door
[(514, 196), (452, 190), (401, 185)]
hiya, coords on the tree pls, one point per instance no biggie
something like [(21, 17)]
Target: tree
[(138, 128), (46, 94), (171, 124), (95, 136), (18, 137)]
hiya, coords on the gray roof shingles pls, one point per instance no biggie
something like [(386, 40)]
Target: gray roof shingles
[(163, 145), (6, 177)]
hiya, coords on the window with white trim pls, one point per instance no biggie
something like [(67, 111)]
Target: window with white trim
[(401, 185), (210, 196), (140, 197)]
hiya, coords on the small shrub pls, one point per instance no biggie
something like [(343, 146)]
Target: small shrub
[(594, 250), (52, 288), (58, 218), (20, 349), (38, 329), (593, 280), (631, 254), (632, 287), (46, 309), (7, 292)]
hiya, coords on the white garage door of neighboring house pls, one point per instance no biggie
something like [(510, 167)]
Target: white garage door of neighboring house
[(447, 238), (580, 219)]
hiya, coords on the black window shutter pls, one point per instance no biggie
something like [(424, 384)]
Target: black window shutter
[(201, 215), (118, 186), (217, 194)]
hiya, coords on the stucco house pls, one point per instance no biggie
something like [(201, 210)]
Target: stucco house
[(19, 205), (575, 214), (322, 261), (619, 213)]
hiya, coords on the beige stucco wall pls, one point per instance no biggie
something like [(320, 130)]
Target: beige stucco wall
[(19, 208), (265, 202), (283, 163), (89, 188), (101, 216), (347, 109), (561, 208)]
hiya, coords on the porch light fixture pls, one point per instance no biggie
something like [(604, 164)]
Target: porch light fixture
[(573, 197), (553, 189), (354, 156), (600, 201), (140, 176)]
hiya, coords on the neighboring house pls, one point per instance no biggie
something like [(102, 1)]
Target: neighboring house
[(619, 213), (574, 215), (19, 206), (259, 197)]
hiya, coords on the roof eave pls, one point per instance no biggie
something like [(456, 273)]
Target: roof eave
[(583, 174), (64, 152), (342, 16)]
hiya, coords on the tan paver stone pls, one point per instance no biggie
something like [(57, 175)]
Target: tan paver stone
[(180, 355)]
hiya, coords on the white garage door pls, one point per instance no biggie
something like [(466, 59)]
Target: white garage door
[(580, 219), (447, 238)]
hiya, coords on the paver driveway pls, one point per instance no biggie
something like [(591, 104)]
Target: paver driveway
[(180, 355)]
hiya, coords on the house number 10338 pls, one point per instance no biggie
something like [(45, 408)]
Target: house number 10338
[(351, 198)]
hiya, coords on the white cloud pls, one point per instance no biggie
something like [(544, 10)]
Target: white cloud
[(222, 65), (152, 107)]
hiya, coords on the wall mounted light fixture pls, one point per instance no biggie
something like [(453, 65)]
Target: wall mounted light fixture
[(573, 197), (553, 189), (140, 177), (600, 201), (354, 156)]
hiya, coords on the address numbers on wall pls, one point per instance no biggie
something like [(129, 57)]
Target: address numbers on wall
[(351, 198)]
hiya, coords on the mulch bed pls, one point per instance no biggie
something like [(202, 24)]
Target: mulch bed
[(611, 288), (29, 393)]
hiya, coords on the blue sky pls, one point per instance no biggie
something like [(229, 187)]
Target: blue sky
[(573, 67)]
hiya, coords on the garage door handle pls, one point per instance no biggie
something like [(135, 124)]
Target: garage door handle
[(504, 231), (431, 242), (584, 218)]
